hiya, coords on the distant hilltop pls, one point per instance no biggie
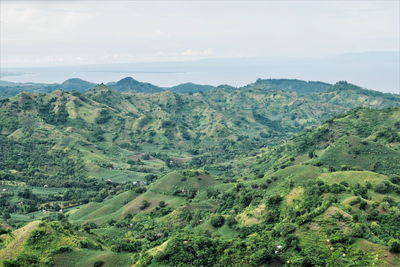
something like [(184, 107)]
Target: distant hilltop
[(128, 84)]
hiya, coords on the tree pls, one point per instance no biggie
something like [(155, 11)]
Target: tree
[(394, 245), (231, 221), (217, 221), (144, 204), (381, 188), (6, 216)]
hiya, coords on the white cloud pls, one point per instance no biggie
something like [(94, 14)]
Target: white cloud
[(34, 31)]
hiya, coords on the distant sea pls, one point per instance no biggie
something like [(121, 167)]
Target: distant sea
[(373, 70)]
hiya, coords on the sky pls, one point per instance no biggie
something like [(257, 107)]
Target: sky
[(60, 33)]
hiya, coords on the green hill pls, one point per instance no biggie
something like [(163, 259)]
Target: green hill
[(130, 84), (298, 86), (76, 84), (263, 175), (186, 88)]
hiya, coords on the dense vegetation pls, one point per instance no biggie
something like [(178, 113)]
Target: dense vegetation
[(213, 177)]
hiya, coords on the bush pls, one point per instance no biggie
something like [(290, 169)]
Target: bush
[(286, 228), (355, 201), (358, 230), (64, 249), (126, 246), (394, 245), (23, 260), (36, 236), (337, 188), (217, 221), (231, 221), (381, 188), (395, 180), (144, 204), (363, 205), (274, 200), (162, 204)]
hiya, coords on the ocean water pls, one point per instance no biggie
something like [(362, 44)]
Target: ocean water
[(377, 71)]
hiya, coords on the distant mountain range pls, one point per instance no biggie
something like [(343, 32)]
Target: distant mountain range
[(129, 84)]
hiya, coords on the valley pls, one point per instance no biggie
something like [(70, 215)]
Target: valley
[(279, 172)]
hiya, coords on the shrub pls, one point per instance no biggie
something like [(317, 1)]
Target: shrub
[(144, 204), (126, 246), (286, 228), (355, 201), (381, 188), (231, 221), (217, 221), (337, 188), (140, 190), (273, 200), (64, 249), (23, 260), (363, 205), (394, 245), (395, 180), (358, 230), (36, 236)]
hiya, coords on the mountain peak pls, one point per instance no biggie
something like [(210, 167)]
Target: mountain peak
[(74, 80), (128, 81), (76, 84), (130, 84)]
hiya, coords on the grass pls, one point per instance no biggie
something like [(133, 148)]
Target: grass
[(102, 212), (295, 194), (16, 241), (352, 151), (299, 174), (86, 258), (153, 198), (383, 257), (251, 216), (117, 176), (224, 231), (154, 251), (353, 177), (129, 203), (173, 181)]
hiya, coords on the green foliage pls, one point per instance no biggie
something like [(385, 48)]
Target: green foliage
[(179, 180), (23, 260), (217, 221), (191, 250), (98, 263), (394, 245)]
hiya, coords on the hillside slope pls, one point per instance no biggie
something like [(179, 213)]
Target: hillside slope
[(330, 196), (286, 204)]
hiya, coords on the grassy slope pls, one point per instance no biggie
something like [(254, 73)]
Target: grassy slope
[(15, 241), (129, 202), (86, 257)]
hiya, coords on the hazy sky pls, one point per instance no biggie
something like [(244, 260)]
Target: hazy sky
[(49, 33)]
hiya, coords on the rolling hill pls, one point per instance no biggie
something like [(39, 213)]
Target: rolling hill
[(274, 173)]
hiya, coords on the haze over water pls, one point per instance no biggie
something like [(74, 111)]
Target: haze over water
[(374, 70)]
